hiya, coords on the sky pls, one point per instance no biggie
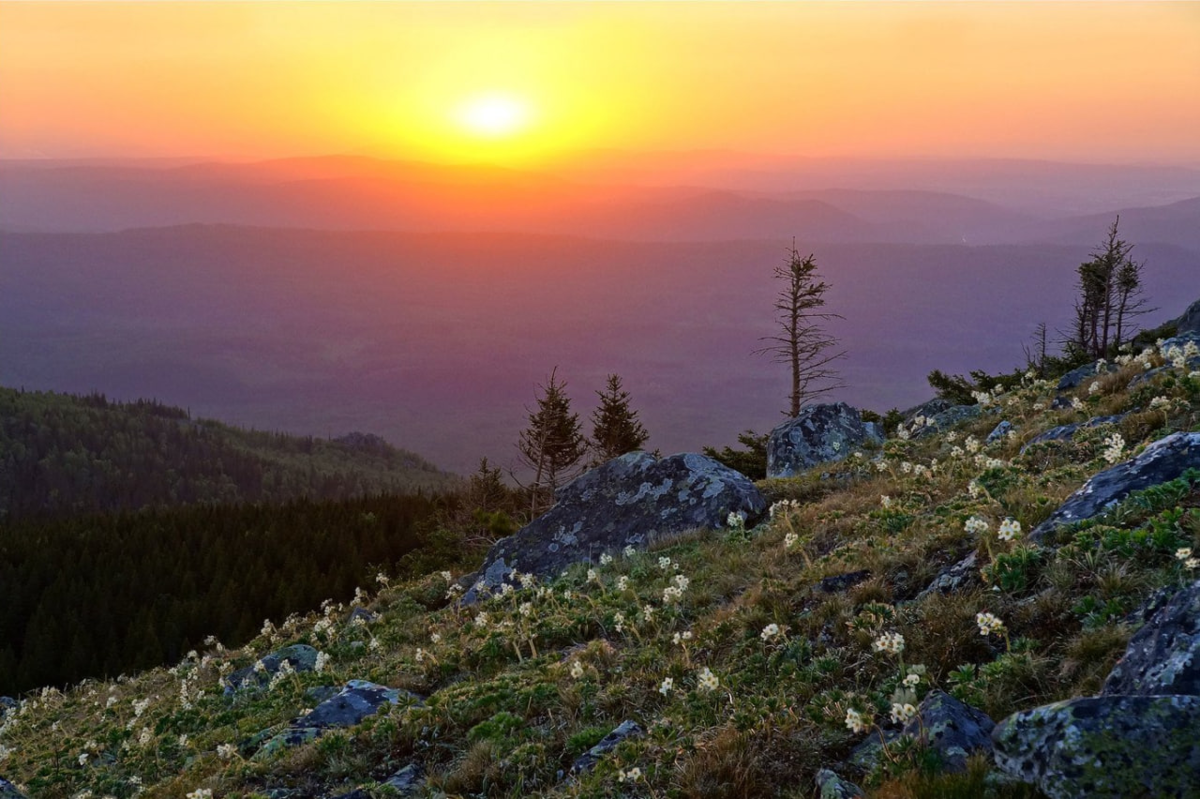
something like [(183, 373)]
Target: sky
[(523, 83)]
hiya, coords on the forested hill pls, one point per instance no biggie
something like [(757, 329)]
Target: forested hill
[(62, 454)]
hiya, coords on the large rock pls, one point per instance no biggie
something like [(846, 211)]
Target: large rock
[(945, 725), (1107, 747), (625, 730), (1162, 461), (1163, 657), (820, 434), (631, 500), (1066, 431), (300, 657)]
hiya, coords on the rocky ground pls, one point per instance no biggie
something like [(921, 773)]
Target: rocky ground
[(995, 600)]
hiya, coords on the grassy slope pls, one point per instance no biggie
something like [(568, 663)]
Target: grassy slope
[(79, 454), (509, 707)]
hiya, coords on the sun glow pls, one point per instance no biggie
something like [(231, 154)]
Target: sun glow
[(494, 116)]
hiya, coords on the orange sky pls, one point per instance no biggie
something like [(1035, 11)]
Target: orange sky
[(1075, 81)]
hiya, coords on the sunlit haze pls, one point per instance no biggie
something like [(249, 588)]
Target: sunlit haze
[(526, 82)]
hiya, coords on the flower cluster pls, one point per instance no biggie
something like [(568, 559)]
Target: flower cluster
[(856, 722), (1184, 556), (707, 681), (989, 624), (1009, 529), (976, 525), (1114, 448), (891, 643)]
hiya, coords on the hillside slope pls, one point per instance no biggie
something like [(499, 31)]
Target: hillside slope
[(68, 454), (776, 652)]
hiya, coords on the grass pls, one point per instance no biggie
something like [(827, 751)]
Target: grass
[(516, 695)]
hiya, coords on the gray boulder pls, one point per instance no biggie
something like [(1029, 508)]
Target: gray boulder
[(946, 419), (927, 409), (954, 730), (625, 730), (1066, 431), (9, 791), (1107, 747), (954, 578), (355, 702), (631, 500), (820, 434), (999, 432), (1163, 657), (299, 656), (1075, 377), (352, 704), (1162, 461), (7, 705), (831, 786)]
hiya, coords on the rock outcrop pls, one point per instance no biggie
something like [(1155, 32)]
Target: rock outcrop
[(1075, 377), (629, 501), (1163, 657), (1066, 431), (1107, 747), (355, 702), (9, 791), (946, 419), (299, 657), (954, 730), (820, 434), (1162, 461)]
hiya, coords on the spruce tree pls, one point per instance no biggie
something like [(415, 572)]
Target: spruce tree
[(552, 445), (616, 429)]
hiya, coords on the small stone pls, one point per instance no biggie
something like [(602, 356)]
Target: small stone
[(9, 791), (842, 582), (999, 431), (299, 656), (947, 726), (407, 780), (627, 729)]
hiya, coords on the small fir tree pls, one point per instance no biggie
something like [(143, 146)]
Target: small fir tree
[(552, 445), (616, 429)]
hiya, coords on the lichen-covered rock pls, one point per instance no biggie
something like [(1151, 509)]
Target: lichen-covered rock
[(820, 434), (1163, 657), (9, 791), (625, 730), (1106, 747), (1162, 461), (927, 409), (354, 703), (831, 786), (299, 656), (1065, 431), (629, 501), (954, 730), (946, 419)]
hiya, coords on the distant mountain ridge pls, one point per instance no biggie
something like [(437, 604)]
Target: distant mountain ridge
[(62, 454), (979, 204)]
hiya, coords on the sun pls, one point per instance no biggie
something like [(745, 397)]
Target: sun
[(494, 116)]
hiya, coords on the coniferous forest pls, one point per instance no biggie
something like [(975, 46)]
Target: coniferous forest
[(64, 454), (105, 594)]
